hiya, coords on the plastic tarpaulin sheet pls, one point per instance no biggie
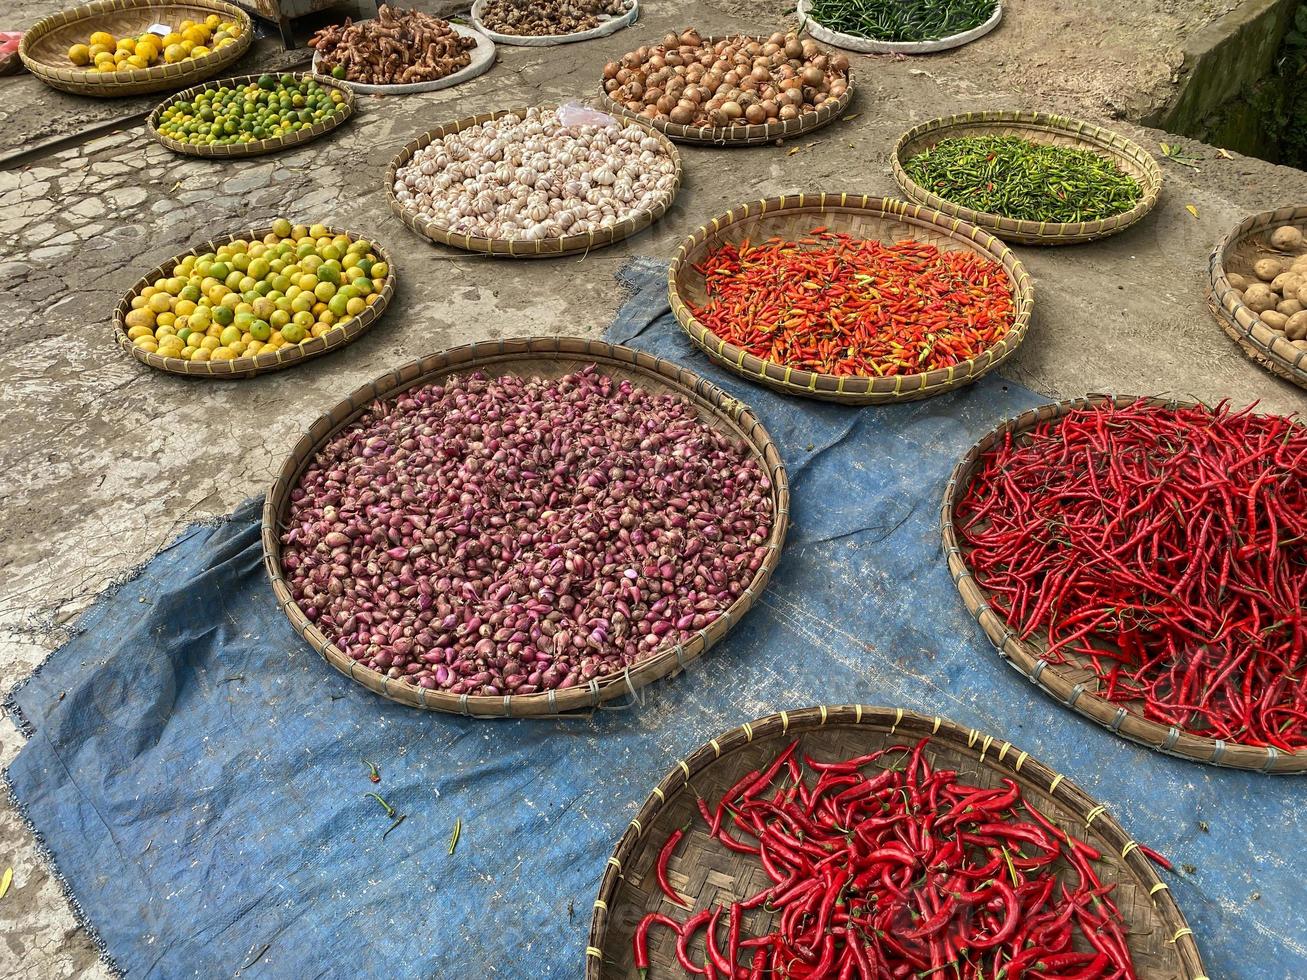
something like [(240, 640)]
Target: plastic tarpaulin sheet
[(197, 772)]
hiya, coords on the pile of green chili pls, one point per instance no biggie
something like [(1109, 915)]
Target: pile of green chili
[(902, 20), (1024, 180)]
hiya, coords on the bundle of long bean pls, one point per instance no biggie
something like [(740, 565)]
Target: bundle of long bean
[(902, 20), (840, 305), (910, 872), (1024, 180), (1164, 549)]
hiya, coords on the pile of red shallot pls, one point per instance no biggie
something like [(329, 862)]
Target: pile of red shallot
[(511, 535)]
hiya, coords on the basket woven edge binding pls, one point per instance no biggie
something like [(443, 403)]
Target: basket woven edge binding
[(1240, 323), (862, 389), (1050, 677), (1035, 232), (667, 660), (258, 147), (139, 81), (793, 723), (248, 367), (750, 134), (867, 45), (511, 248)]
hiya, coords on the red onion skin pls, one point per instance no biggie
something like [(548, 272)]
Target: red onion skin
[(508, 536)]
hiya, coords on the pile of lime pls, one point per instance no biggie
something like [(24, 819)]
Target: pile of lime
[(255, 297), (272, 107)]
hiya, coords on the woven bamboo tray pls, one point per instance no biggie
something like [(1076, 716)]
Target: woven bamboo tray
[(749, 134), (247, 367), (1039, 127), (532, 357), (44, 49), (234, 150), (483, 59), (1075, 686), (873, 218), (610, 25), (1161, 943), (867, 45), (1240, 248), (510, 248)]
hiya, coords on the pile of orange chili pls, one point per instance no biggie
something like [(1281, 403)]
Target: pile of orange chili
[(845, 306), (904, 870)]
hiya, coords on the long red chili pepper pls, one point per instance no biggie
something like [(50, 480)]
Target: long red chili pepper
[(845, 306), (906, 872), (661, 869), (1163, 549)]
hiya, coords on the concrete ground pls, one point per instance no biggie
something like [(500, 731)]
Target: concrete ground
[(105, 459)]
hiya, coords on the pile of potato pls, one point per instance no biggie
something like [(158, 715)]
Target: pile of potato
[(1276, 286)]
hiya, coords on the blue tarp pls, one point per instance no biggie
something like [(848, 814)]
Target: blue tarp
[(197, 771)]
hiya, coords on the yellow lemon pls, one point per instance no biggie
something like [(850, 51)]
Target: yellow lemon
[(125, 44), (136, 61), (147, 49), (95, 50), (196, 35), (212, 21), (102, 37), (174, 53), (170, 39), (199, 51), (79, 54)]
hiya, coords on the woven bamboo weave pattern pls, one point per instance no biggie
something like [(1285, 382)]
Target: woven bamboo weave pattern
[(872, 218), (1073, 685), (706, 873), (44, 48), (510, 248), (258, 147), (548, 357), (1039, 127), (1238, 250), (261, 363), (750, 134)]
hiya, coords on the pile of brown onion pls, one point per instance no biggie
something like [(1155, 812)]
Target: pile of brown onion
[(731, 81), (492, 536)]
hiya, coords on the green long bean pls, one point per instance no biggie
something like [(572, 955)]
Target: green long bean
[(1024, 180), (902, 20)]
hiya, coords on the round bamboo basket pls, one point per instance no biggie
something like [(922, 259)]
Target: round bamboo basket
[(610, 25), (1039, 127), (511, 248), (749, 134), (1161, 944), (871, 45), (533, 357), (1073, 685), (1237, 251), (44, 49), (873, 218), (257, 147), (261, 363)]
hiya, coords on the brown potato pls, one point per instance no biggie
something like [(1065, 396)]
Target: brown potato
[(1286, 238), (1267, 269), (1296, 327), (1274, 320), (1259, 296), (1237, 281), (1289, 307)]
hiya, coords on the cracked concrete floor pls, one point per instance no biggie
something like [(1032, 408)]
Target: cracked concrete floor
[(106, 459)]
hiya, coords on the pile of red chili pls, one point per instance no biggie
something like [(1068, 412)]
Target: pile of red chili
[(1163, 548), (840, 305), (908, 872)]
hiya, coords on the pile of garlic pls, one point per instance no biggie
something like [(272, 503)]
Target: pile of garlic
[(531, 177)]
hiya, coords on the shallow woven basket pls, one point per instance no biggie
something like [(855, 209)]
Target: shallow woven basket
[(233, 150), (1161, 943), (874, 218), (1241, 248), (750, 134), (1039, 127), (1076, 686), (508, 248), (549, 357), (247, 367), (609, 26), (44, 49)]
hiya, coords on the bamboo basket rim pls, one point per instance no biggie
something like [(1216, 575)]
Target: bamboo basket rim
[(615, 23), (247, 367), (512, 248), (491, 355), (854, 389), (255, 147), (871, 45), (1056, 679), (138, 81), (1266, 347), (992, 753), (1085, 134), (750, 134)]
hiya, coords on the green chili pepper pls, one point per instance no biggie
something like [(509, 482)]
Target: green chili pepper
[(1024, 180), (902, 20)]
